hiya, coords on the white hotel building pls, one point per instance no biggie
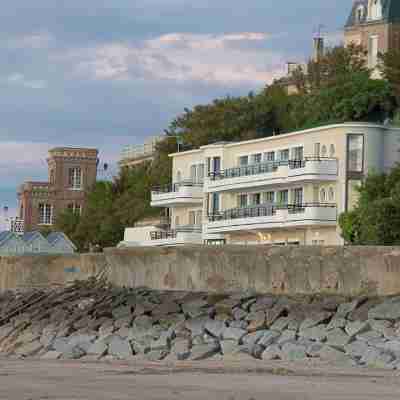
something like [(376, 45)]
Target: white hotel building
[(286, 189)]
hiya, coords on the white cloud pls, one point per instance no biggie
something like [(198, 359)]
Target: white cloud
[(20, 80), (232, 59), (38, 40)]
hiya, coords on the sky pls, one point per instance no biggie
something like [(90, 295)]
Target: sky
[(109, 73)]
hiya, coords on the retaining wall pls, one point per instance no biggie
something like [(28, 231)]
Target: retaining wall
[(343, 270)]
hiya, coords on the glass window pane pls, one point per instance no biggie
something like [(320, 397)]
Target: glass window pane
[(244, 160), (270, 156), (355, 153)]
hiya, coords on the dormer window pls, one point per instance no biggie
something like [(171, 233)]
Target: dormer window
[(375, 10), (360, 14)]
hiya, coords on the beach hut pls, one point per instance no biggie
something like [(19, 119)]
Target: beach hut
[(60, 243)]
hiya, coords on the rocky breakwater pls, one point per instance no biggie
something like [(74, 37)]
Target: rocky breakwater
[(91, 322)]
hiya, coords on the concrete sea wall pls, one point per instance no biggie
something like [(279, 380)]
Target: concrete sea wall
[(282, 270)]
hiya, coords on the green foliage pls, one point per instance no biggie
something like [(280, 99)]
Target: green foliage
[(337, 88), (376, 219)]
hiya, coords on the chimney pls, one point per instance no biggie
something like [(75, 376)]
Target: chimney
[(318, 48)]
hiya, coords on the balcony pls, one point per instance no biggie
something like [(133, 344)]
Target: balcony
[(177, 194), (274, 173), (183, 235), (273, 217)]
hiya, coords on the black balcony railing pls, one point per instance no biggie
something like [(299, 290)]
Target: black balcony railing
[(265, 210), (174, 187), (264, 168), (162, 235)]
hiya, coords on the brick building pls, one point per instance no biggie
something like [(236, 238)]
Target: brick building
[(71, 172), (374, 24)]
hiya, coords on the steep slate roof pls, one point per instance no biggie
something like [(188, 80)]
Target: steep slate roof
[(390, 11), (53, 237)]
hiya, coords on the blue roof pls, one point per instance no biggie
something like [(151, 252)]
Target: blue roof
[(29, 236), (53, 237)]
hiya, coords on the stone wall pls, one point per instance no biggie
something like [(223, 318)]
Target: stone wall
[(340, 270)]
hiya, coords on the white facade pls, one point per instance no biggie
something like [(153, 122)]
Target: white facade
[(286, 189)]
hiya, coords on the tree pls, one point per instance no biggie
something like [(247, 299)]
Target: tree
[(390, 67), (376, 218)]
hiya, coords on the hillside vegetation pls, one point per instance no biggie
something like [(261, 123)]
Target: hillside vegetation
[(336, 89)]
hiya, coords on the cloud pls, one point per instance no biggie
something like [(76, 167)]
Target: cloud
[(228, 59), (18, 79), (37, 40)]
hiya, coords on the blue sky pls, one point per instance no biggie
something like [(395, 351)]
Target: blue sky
[(108, 73)]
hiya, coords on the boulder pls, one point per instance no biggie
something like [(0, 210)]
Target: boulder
[(233, 334), (29, 349), (338, 338), (336, 323), (197, 325), (316, 333), (51, 355), (120, 348), (215, 327), (356, 349), (357, 327), (98, 348), (180, 349), (376, 358), (390, 309), (268, 338), (293, 352), (315, 319), (203, 351), (273, 352)]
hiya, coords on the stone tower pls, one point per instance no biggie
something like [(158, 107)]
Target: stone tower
[(72, 171)]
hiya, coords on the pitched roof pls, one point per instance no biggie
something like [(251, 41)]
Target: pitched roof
[(29, 236), (390, 11), (53, 237)]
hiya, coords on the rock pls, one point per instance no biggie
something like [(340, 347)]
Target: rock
[(314, 349), (226, 306), (392, 346), (141, 346), (123, 322), (263, 303), (274, 313), (197, 325), (144, 321), (390, 309), (377, 359), (338, 338), (120, 348), (356, 349), (361, 312), (121, 312), (380, 325), (368, 336), (51, 355), (329, 353), (268, 338), (239, 314), (293, 352), (257, 315), (257, 323), (239, 324), (194, 308), (98, 348), (346, 308), (287, 336), (180, 349), (106, 330), (233, 333), (336, 323), (166, 308), (73, 353), (156, 355), (281, 324), (204, 351), (163, 342), (215, 328), (229, 347), (252, 338), (29, 349), (314, 320), (357, 327), (271, 353), (317, 333), (60, 344)]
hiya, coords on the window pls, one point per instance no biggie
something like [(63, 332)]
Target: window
[(178, 176), (52, 176), (284, 155), (45, 214), (269, 156), (177, 221), (199, 217), (217, 165), (317, 149), (255, 199), (193, 173), (75, 178), (269, 197), (200, 173), (192, 218), (360, 14), (332, 150), (331, 194), (298, 196), (215, 203), (298, 153), (197, 173), (323, 195), (355, 152), (75, 208), (243, 161), (375, 9), (323, 151), (283, 197), (242, 200), (373, 51), (257, 158)]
